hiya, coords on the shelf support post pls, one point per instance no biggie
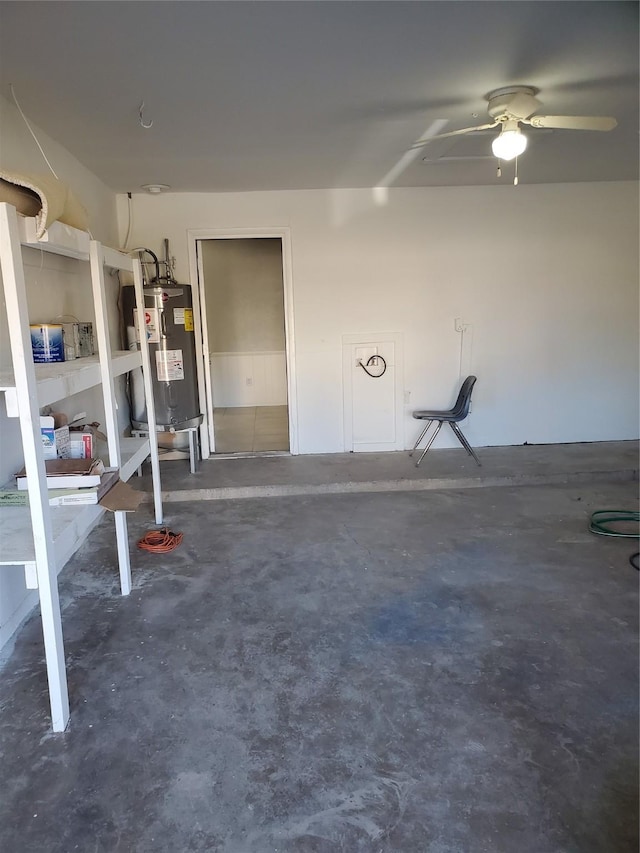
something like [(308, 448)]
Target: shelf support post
[(148, 391), (96, 257), (29, 412)]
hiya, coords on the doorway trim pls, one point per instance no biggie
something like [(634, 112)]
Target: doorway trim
[(197, 235)]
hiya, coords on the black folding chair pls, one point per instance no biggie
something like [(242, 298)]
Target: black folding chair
[(452, 416)]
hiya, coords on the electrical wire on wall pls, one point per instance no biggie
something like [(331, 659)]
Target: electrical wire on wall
[(371, 361), (31, 131)]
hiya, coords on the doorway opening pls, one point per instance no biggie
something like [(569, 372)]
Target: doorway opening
[(246, 337)]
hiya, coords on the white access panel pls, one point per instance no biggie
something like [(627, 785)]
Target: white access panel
[(373, 406)]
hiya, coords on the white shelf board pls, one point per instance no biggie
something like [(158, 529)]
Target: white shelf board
[(70, 527), (62, 379), (124, 361), (71, 524), (116, 260), (60, 239), (133, 452)]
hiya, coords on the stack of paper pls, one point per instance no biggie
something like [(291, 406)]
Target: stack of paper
[(77, 482), (67, 474), (69, 496)]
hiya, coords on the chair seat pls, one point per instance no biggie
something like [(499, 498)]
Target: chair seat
[(435, 415)]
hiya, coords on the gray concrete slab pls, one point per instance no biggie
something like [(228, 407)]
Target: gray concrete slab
[(268, 476), (447, 671)]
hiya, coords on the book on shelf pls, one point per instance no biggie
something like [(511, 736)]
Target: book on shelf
[(67, 474), (65, 497)]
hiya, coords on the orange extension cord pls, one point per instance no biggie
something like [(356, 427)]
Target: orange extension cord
[(160, 541)]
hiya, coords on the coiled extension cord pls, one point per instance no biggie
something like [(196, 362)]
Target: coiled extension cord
[(160, 541)]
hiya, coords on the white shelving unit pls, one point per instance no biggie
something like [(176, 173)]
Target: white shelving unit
[(40, 537)]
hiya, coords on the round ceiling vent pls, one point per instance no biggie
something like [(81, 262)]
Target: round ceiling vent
[(154, 189)]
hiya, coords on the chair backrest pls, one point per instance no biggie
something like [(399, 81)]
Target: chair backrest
[(461, 407)]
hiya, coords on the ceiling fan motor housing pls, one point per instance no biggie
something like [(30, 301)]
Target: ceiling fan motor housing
[(513, 102)]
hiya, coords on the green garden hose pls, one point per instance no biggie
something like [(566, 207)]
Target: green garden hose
[(600, 523), (603, 518)]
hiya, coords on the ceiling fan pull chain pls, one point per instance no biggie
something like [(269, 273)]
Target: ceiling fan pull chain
[(515, 178), (499, 170)]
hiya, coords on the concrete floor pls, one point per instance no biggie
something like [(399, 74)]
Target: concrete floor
[(448, 670), (280, 475)]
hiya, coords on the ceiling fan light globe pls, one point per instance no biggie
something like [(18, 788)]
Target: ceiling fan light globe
[(510, 144)]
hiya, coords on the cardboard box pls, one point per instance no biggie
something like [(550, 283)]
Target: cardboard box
[(55, 441), (80, 445)]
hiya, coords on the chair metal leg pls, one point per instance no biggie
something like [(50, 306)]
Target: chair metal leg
[(430, 442), (422, 435), (463, 441)]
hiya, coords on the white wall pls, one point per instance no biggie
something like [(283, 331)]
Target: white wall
[(245, 321), (55, 286), (545, 277), (244, 289), (19, 153), (248, 379)]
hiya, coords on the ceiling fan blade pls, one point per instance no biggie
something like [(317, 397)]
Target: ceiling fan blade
[(573, 122), (421, 142)]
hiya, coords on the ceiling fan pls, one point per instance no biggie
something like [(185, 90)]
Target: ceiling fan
[(512, 106)]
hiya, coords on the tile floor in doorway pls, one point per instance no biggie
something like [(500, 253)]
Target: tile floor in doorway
[(251, 428)]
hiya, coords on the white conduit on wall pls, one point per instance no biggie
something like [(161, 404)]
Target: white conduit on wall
[(465, 330)]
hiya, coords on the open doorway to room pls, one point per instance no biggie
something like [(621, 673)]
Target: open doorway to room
[(245, 342)]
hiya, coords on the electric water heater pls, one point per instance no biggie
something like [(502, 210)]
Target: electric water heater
[(168, 323)]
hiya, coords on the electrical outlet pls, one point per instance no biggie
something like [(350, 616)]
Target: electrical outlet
[(364, 353), (249, 380)]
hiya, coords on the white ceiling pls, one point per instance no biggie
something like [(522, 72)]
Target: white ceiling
[(299, 95)]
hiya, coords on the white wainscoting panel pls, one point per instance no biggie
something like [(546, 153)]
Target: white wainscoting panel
[(248, 379)]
